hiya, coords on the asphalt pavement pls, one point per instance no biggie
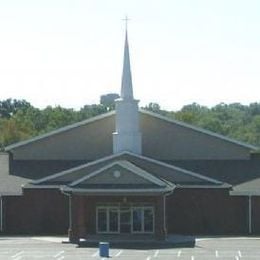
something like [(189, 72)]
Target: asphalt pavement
[(31, 248)]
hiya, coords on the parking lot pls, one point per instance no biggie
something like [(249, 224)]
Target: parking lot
[(30, 248)]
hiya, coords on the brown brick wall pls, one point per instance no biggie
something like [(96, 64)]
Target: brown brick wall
[(206, 211), (37, 212), (190, 211)]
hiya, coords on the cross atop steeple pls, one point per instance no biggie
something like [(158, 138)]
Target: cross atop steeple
[(126, 19)]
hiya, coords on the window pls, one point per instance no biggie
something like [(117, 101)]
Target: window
[(115, 219), (143, 219), (137, 219), (107, 220), (148, 220)]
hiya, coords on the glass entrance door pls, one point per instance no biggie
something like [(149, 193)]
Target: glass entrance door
[(116, 219), (125, 220)]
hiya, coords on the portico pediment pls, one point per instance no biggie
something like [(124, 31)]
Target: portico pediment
[(119, 176)]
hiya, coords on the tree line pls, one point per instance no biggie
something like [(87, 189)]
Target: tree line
[(19, 120)]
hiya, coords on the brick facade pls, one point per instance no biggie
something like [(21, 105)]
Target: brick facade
[(38, 211), (206, 211), (188, 211)]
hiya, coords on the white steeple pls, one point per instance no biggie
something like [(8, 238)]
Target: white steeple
[(126, 86), (127, 136)]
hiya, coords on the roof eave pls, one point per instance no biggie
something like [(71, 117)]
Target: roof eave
[(195, 186), (244, 193), (117, 191)]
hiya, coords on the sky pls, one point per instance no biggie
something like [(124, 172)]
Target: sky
[(70, 52)]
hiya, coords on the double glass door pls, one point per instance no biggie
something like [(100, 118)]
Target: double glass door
[(111, 219)]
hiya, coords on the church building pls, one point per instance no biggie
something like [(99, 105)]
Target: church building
[(130, 173)]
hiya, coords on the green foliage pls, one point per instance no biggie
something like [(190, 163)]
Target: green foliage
[(233, 120), (108, 100), (19, 120), (10, 106)]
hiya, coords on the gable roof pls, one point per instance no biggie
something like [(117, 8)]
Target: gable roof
[(198, 129), (59, 130), (158, 116), (125, 165), (131, 179), (234, 172), (136, 163), (249, 188), (11, 185)]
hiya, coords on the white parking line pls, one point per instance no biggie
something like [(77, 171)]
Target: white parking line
[(239, 253), (58, 254), (237, 258), (148, 258), (216, 253), (156, 253), (192, 257), (18, 258), (18, 254), (119, 253), (60, 258), (179, 253), (95, 254)]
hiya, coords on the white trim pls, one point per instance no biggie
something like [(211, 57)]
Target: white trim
[(60, 130), (127, 153), (244, 193), (99, 117), (107, 208), (126, 165), (11, 194), (164, 213), (30, 186), (198, 129), (176, 168), (79, 190), (75, 168), (203, 186), (142, 224)]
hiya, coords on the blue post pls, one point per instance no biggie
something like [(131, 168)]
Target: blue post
[(103, 249)]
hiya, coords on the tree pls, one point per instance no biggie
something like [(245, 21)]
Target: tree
[(108, 100), (10, 106)]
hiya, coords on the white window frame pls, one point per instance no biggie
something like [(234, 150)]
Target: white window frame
[(118, 208), (142, 224), (107, 208)]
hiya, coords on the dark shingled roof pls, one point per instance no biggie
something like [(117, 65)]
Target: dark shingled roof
[(11, 185), (36, 169), (169, 173), (23, 172), (234, 172)]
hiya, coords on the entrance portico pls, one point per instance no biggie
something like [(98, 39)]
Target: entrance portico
[(130, 215)]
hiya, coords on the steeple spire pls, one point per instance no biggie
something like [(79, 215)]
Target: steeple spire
[(127, 136), (126, 85)]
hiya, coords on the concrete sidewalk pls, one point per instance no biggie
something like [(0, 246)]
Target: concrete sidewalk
[(139, 241)]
